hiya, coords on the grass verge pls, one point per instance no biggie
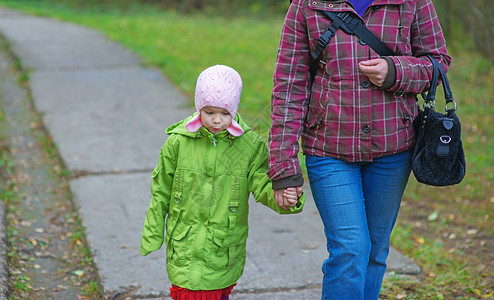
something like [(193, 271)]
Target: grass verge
[(47, 255)]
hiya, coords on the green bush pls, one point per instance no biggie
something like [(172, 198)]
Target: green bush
[(474, 18)]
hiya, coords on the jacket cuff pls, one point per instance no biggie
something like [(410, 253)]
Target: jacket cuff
[(144, 252), (291, 181), (391, 77)]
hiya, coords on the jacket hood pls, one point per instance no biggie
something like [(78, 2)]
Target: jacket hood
[(179, 127)]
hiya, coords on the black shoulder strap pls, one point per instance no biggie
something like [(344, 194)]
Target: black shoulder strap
[(351, 24), (322, 42)]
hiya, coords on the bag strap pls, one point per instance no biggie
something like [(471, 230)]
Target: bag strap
[(438, 73), (430, 96), (350, 24), (322, 42), (354, 25)]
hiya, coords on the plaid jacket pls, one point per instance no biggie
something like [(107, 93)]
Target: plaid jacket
[(341, 114)]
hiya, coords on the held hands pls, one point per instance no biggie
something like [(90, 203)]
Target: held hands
[(286, 198), (375, 69)]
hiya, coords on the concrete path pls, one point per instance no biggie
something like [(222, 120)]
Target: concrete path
[(107, 115)]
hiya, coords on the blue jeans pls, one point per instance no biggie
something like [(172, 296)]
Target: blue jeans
[(358, 203)]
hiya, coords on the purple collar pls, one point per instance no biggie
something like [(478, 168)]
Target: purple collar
[(361, 5)]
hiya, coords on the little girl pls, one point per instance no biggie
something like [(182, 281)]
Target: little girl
[(207, 168)]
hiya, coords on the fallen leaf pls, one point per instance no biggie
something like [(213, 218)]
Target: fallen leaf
[(78, 273), (488, 295), (433, 216), (472, 231), (309, 247), (26, 223)]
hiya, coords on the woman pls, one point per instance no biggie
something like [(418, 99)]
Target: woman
[(355, 123)]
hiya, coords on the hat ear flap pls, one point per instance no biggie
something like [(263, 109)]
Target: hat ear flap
[(235, 129), (194, 124)]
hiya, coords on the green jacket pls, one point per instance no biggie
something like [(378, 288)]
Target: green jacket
[(202, 185)]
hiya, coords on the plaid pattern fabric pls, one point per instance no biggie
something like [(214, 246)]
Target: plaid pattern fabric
[(341, 114)]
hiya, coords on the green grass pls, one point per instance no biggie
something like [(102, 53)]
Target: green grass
[(446, 271), (182, 46)]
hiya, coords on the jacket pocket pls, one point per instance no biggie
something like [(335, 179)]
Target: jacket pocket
[(409, 109), (317, 106), (228, 248), (178, 247), (219, 250)]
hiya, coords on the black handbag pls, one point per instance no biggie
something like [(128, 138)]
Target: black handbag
[(438, 158)]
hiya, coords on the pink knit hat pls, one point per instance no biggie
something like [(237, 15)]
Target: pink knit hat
[(217, 86)]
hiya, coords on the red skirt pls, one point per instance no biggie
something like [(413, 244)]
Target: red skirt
[(179, 293)]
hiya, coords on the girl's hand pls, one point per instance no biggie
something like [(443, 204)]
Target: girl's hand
[(290, 196), (375, 69), (280, 198)]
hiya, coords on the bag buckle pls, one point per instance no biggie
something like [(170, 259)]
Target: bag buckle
[(445, 139), (430, 104), (447, 104)]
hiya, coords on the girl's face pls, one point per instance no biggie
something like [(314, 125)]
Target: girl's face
[(215, 119)]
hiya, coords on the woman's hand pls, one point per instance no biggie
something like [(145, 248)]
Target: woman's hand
[(376, 70), (286, 198)]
